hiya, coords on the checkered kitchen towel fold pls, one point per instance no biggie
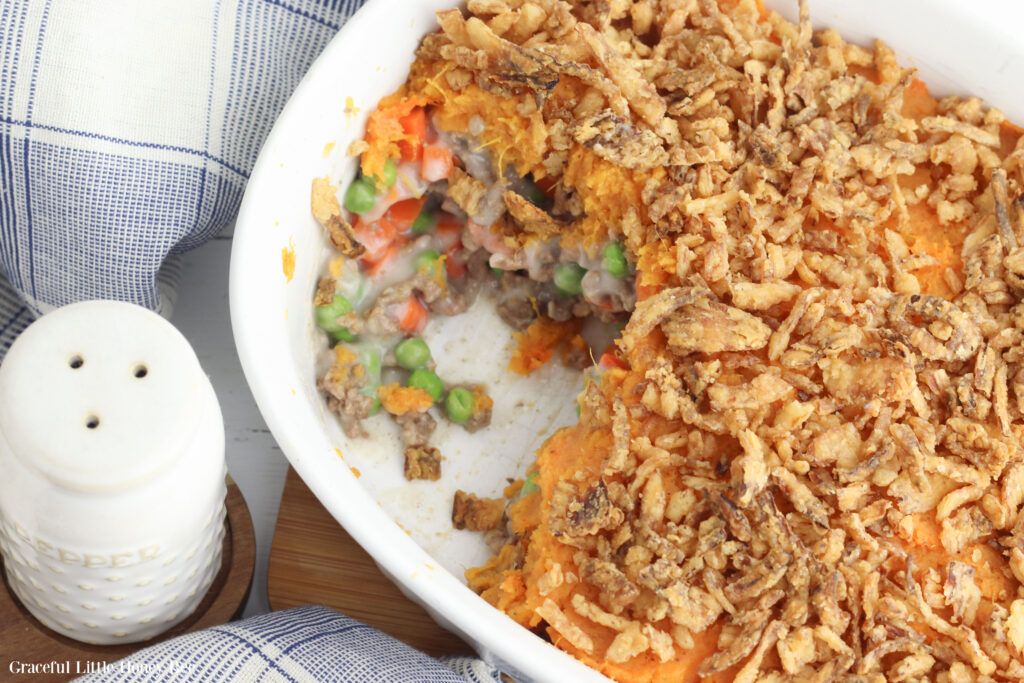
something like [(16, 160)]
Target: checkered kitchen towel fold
[(298, 645), (127, 132)]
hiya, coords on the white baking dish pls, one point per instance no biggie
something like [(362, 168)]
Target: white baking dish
[(958, 47)]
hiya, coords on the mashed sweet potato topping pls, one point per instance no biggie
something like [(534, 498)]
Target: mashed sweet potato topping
[(806, 462)]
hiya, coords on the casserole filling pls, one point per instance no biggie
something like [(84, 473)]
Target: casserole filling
[(801, 458), (424, 233)]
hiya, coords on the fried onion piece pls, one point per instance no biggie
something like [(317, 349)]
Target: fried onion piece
[(327, 211), (711, 327), (650, 312), (533, 219)]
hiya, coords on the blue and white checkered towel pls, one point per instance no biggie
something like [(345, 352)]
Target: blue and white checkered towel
[(127, 132), (297, 645)]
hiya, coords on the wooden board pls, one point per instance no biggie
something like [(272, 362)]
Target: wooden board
[(313, 561), (23, 639)]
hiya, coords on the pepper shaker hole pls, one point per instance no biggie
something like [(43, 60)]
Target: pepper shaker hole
[(92, 422), (76, 362)]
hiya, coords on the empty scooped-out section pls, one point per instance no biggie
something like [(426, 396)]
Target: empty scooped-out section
[(473, 347)]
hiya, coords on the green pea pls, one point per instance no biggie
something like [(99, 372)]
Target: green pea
[(568, 278), (614, 260), (459, 405), (370, 391), (342, 334), (388, 176), (424, 223), (327, 318), (427, 381), (361, 195), (429, 262), (498, 272), (376, 405), (530, 485), (370, 360), (412, 353), (326, 315)]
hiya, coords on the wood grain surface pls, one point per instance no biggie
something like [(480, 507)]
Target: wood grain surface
[(313, 561), (24, 639)]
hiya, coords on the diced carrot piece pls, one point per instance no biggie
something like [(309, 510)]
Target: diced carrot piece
[(449, 231), (645, 291), (384, 131), (415, 126), (487, 238), (376, 237), (454, 264), (374, 268), (437, 162), (403, 213), (412, 315), (610, 360)]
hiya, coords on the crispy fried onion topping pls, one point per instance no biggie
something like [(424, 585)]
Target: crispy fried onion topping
[(817, 461)]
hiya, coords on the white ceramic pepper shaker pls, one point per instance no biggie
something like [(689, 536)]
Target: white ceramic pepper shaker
[(111, 473)]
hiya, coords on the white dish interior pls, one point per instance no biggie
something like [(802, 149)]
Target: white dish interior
[(406, 526)]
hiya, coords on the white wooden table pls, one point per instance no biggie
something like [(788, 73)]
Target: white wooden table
[(254, 459)]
